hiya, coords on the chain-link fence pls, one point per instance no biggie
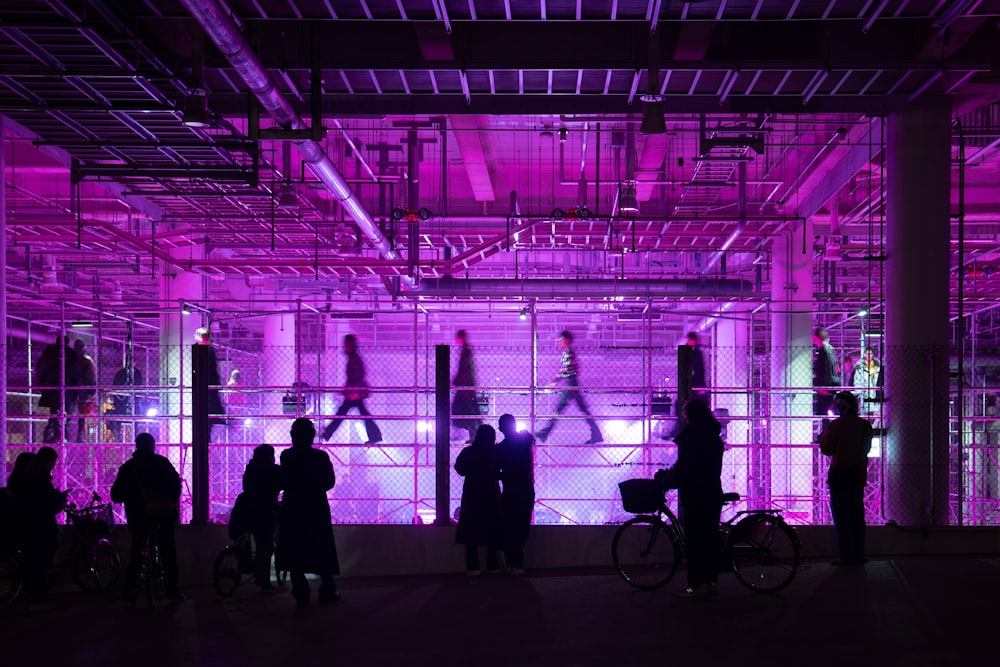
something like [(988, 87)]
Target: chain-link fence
[(935, 456)]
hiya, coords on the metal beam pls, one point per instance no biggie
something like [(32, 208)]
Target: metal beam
[(472, 134)]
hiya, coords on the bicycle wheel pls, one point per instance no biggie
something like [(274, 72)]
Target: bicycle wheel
[(149, 572), (107, 568), (83, 570), (645, 552), (10, 579), (764, 552), (226, 572)]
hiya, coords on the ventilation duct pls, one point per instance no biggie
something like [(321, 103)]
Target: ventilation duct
[(562, 288)]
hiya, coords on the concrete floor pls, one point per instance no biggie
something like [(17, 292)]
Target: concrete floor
[(908, 611)]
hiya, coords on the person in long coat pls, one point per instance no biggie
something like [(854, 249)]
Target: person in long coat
[(306, 544), (465, 402), (479, 517), (697, 474), (516, 463), (48, 371), (261, 485)]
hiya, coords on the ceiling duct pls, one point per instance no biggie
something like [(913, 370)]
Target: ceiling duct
[(221, 27), (561, 288)]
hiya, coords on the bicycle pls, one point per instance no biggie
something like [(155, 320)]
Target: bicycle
[(235, 561), (760, 548), (150, 569)]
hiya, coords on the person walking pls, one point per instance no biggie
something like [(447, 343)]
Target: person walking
[(825, 376), (54, 377), (699, 382), (465, 402), (261, 485), (479, 515), (36, 503), (150, 488), (517, 499), (86, 399), (355, 392), (697, 476), (847, 441), (306, 544), (569, 373)]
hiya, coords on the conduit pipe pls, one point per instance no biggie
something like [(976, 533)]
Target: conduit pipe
[(218, 25), (586, 287)]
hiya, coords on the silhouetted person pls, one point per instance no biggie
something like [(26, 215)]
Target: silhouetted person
[(569, 373), (848, 439), (825, 377), (49, 378), (306, 543), (465, 402), (697, 475), (355, 393), (479, 519), (203, 336), (123, 403), (864, 377), (36, 503), (87, 394), (261, 485), (517, 472), (699, 382), (150, 488)]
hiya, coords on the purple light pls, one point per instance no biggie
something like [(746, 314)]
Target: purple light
[(152, 412)]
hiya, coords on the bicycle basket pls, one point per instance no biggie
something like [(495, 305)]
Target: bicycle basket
[(641, 496), (97, 518)]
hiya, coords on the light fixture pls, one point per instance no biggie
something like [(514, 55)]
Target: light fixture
[(287, 197), (627, 201), (863, 312), (652, 116), (185, 309), (563, 132), (81, 324), (196, 109), (524, 314)]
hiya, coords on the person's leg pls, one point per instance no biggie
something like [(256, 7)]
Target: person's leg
[(36, 562), (856, 512), (472, 558), (168, 558), (595, 430), (131, 582), (263, 537), (564, 398), (327, 588), (840, 511), (371, 428), (701, 529), (334, 424), (300, 587)]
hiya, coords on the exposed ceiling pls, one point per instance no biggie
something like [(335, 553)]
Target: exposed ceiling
[(323, 116)]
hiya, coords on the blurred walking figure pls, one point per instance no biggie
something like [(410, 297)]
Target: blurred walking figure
[(203, 336), (479, 518), (569, 373), (50, 369), (150, 488), (697, 475), (517, 499), (36, 503), (86, 399), (465, 402), (847, 440), (355, 392), (261, 485), (306, 544)]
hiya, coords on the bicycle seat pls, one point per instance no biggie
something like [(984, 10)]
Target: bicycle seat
[(730, 497)]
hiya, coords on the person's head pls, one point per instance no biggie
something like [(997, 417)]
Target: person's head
[(869, 354), (697, 411), (145, 442), (234, 377), (485, 435), (303, 432), (692, 339), (46, 458), (264, 453), (508, 425), (202, 335), (350, 343), (820, 336), (23, 464), (846, 403), (78, 345), (565, 338), (461, 337)]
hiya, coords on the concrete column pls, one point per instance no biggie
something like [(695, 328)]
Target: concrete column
[(278, 369), (790, 460), (730, 374), (916, 320), (173, 433)]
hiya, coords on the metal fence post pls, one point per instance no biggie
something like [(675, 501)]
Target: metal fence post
[(442, 431)]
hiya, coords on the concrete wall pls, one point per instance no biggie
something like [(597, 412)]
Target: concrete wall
[(368, 550)]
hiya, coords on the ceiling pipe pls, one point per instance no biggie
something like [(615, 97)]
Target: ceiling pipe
[(587, 287), (227, 37)]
